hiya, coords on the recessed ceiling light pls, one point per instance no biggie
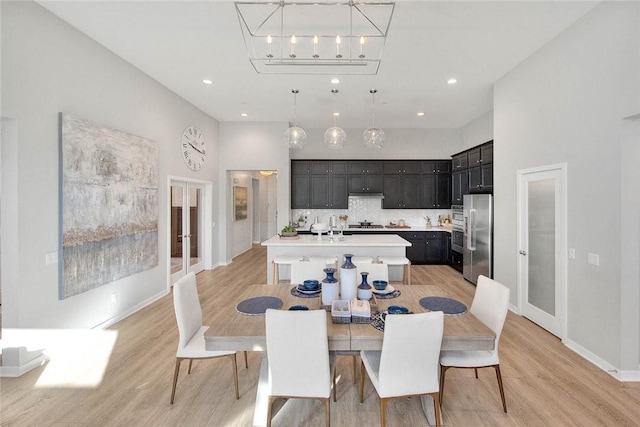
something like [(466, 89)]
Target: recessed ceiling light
[(207, 81), (336, 114), (420, 114), (335, 81), (452, 81), (244, 114)]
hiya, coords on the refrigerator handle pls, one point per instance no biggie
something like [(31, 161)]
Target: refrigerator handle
[(471, 230)]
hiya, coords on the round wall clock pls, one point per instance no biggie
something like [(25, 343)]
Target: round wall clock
[(194, 151)]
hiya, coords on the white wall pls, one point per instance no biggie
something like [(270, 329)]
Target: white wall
[(49, 67), (399, 144), (477, 131), (566, 103), (251, 146)]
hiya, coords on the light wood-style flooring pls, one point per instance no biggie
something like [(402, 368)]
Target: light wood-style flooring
[(546, 384)]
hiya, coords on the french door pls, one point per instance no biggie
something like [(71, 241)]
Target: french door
[(186, 228), (541, 247)]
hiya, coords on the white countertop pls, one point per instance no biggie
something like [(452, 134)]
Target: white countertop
[(446, 228), (366, 240)]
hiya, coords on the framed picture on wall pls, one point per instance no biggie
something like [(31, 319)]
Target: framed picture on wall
[(239, 203)]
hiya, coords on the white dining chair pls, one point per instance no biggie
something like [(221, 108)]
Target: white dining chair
[(490, 305), (399, 261), (376, 271), (408, 363), (192, 344), (298, 357), (305, 270), (282, 260)]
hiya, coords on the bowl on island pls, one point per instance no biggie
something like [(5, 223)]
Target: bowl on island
[(319, 227)]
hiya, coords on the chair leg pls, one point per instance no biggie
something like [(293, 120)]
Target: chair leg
[(175, 378), (443, 371), (383, 414), (436, 407), (476, 371), (246, 362), (190, 363), (409, 273), (269, 404), (235, 373), (273, 273), (333, 380), (361, 382), (499, 376), (327, 411)]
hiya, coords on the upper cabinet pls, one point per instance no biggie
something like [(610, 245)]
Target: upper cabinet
[(365, 176), (406, 184), (477, 176), (402, 185)]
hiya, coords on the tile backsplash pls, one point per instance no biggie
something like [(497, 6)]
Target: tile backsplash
[(370, 209)]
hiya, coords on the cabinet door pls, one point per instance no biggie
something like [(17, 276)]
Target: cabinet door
[(320, 167), (373, 183), (459, 186), (392, 189), (460, 162), (429, 191), (300, 196), (339, 167), (443, 198), (434, 250), (487, 176), (373, 167), (300, 167), (474, 157), (475, 179), (412, 192), (338, 198), (411, 167), (320, 191), (355, 167), (416, 252), (356, 183), (486, 153)]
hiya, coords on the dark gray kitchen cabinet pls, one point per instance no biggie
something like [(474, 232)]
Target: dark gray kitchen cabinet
[(434, 247), (417, 251), (402, 191), (365, 176), (477, 176), (436, 184), (319, 184), (459, 186)]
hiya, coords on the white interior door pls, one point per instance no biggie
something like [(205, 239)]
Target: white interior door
[(186, 228), (542, 231)]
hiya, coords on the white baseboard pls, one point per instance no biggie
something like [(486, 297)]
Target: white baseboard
[(132, 310), (16, 371), (602, 364)]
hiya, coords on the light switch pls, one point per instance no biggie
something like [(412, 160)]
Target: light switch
[(51, 258), (572, 253), (593, 259)]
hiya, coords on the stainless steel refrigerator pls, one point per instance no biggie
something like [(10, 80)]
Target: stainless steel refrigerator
[(477, 256)]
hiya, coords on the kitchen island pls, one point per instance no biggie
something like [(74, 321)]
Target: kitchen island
[(373, 245)]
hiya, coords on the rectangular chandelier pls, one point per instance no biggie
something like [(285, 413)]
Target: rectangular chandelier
[(315, 37)]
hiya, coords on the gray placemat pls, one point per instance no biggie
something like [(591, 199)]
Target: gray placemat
[(448, 306), (258, 305)]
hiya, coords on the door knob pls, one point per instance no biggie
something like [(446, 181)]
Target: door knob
[(523, 252)]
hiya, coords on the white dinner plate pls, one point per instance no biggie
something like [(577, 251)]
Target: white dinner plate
[(386, 290)]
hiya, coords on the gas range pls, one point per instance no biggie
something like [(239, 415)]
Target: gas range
[(366, 226)]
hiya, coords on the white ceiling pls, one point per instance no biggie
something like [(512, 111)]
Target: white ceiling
[(180, 43)]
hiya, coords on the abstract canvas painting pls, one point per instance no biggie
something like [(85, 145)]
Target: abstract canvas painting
[(108, 206)]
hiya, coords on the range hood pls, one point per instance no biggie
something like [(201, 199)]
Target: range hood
[(367, 195)]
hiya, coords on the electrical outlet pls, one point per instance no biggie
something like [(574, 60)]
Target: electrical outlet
[(114, 296), (593, 259), (572, 253)]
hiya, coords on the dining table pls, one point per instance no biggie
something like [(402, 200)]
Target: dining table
[(231, 330)]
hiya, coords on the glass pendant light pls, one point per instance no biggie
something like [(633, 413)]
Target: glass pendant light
[(335, 137), (373, 137), (295, 137)]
